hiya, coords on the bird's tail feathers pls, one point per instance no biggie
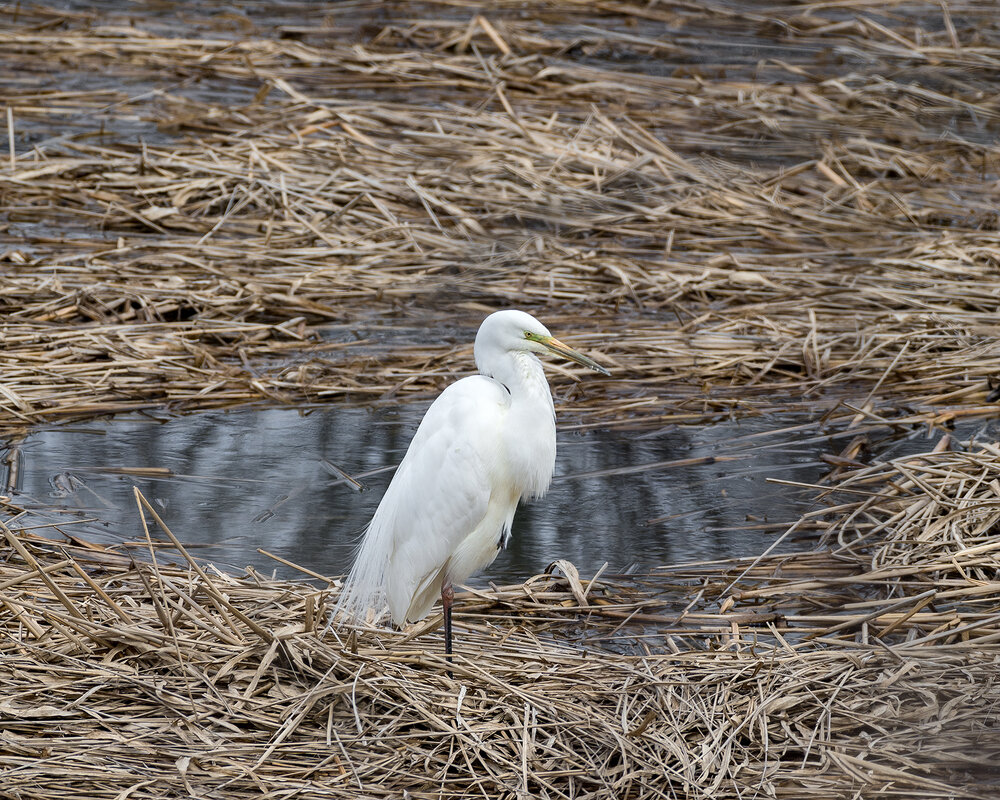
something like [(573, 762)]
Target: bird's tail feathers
[(363, 596)]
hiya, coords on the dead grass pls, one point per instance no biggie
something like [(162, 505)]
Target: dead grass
[(736, 209), (852, 671), (722, 230)]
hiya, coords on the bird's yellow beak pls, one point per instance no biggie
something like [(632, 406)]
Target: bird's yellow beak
[(560, 349)]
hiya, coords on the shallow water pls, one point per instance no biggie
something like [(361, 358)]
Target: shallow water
[(267, 478)]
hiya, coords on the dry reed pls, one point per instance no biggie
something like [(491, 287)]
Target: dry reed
[(721, 230), (852, 671), (737, 209)]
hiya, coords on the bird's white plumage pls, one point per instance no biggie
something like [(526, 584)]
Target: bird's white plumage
[(484, 443)]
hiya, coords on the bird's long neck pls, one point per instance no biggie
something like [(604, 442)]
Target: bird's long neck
[(521, 373), (531, 429)]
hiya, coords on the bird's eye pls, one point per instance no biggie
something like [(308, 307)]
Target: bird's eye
[(527, 335)]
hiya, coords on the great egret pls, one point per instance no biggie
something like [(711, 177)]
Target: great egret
[(487, 441)]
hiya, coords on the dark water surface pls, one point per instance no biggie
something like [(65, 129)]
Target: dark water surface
[(267, 478)]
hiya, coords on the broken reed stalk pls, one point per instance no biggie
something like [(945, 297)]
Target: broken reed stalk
[(11, 151)]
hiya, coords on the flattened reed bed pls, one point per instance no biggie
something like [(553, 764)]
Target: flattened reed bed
[(731, 207), (846, 671), (719, 228)]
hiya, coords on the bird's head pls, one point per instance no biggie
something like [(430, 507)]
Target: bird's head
[(511, 331)]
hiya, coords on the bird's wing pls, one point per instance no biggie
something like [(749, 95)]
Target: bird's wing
[(438, 496)]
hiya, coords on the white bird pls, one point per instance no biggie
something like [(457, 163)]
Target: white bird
[(486, 442)]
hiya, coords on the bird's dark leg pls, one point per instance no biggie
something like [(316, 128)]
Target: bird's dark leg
[(447, 595)]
